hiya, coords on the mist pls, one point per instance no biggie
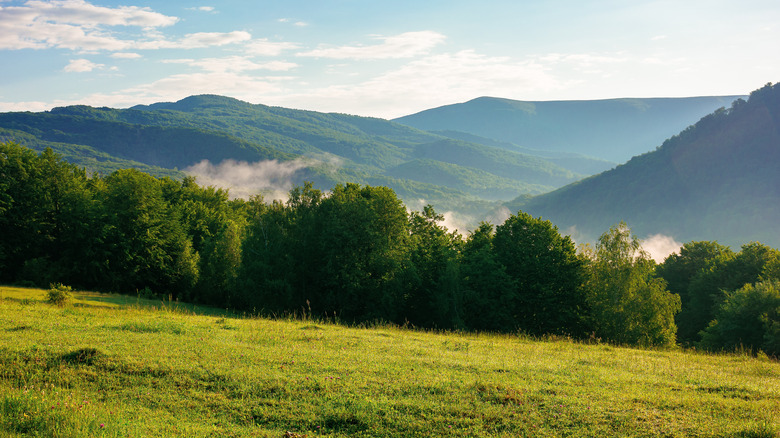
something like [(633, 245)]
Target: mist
[(272, 179), (660, 246)]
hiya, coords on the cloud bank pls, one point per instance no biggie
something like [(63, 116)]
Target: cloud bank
[(405, 45)]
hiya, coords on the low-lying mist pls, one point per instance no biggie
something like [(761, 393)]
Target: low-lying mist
[(660, 246), (273, 179)]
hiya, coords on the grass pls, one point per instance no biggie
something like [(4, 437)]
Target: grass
[(107, 367)]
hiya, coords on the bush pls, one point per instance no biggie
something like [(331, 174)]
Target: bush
[(58, 294)]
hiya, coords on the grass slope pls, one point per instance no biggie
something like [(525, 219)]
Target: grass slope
[(107, 367)]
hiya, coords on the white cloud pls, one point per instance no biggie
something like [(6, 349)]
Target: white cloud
[(405, 45), (29, 106), (196, 40), (203, 8), (125, 55), (81, 66), (234, 64), (263, 47), (72, 24), (209, 39), (297, 23), (272, 178), (80, 12), (78, 25), (431, 81), (177, 87)]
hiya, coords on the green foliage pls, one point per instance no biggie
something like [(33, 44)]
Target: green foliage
[(727, 273), (432, 295), (680, 271), (546, 274), (629, 304), (58, 294), (354, 254), (748, 318), (489, 298), (362, 248)]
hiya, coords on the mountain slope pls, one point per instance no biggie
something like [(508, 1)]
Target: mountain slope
[(612, 130), (716, 180), (338, 148)]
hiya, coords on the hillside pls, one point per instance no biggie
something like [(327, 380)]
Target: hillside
[(337, 148), (113, 366), (716, 180), (614, 129)]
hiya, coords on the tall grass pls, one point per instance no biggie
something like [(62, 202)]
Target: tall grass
[(102, 368)]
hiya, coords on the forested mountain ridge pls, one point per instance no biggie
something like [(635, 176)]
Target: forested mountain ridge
[(338, 148), (716, 180), (611, 129)]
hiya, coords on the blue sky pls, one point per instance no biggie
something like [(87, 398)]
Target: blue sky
[(384, 59)]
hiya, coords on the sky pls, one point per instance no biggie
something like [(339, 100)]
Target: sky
[(380, 58)]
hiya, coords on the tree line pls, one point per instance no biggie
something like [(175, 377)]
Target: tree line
[(356, 254)]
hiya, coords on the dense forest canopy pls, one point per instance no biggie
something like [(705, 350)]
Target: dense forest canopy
[(356, 254)]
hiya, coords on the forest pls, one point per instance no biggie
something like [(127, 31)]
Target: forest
[(356, 255)]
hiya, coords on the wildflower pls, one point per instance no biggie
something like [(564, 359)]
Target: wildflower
[(102, 425)]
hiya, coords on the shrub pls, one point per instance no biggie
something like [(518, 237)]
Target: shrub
[(58, 294)]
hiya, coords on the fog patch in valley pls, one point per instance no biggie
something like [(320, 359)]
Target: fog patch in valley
[(273, 179), (660, 246), (498, 216)]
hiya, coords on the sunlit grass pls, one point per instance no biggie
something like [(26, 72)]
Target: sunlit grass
[(153, 369)]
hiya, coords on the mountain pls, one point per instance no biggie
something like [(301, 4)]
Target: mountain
[(613, 130), (577, 163), (164, 138), (716, 180)]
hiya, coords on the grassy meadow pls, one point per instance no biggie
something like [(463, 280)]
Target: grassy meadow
[(118, 366)]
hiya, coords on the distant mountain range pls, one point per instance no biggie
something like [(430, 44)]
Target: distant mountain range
[(716, 180), (614, 130), (165, 138)]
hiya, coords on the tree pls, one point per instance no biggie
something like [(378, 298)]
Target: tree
[(146, 244), (488, 294), (265, 278), (680, 271), (215, 230), (362, 249), (432, 295), (547, 275), (728, 272), (748, 318), (44, 221), (629, 304)]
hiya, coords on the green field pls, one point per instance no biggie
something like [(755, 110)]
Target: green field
[(116, 366)]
